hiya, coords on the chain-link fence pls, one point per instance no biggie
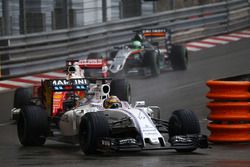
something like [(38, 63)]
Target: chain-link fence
[(32, 16)]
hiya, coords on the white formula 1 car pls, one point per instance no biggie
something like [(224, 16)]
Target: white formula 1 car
[(73, 110)]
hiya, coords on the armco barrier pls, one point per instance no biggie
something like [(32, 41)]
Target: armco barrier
[(230, 109), (40, 52)]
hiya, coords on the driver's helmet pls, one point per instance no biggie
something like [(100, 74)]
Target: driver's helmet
[(112, 102), (136, 44)]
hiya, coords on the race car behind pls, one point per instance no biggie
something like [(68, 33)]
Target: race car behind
[(150, 51), (92, 66)]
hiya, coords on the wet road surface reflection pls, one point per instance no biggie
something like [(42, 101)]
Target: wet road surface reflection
[(64, 155)]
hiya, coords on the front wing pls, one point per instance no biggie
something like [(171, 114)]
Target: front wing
[(189, 142)]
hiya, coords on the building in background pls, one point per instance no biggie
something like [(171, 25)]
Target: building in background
[(35, 16)]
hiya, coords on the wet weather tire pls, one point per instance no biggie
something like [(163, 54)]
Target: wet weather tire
[(183, 122), (94, 126), (121, 88), (22, 97), (32, 125), (179, 57), (152, 60)]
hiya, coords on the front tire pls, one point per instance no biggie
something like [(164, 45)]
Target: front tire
[(183, 122), (94, 126), (22, 97), (32, 125)]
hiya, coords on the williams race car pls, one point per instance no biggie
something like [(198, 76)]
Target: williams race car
[(99, 117), (150, 52)]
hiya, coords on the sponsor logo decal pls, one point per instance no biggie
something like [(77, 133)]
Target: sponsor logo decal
[(64, 82)]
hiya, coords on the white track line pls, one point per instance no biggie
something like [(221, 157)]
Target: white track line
[(246, 31), (21, 84), (31, 78), (3, 89), (216, 41), (241, 35), (229, 38), (192, 48), (201, 44)]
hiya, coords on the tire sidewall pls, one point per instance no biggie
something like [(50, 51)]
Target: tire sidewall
[(179, 57), (32, 125), (22, 97), (121, 88), (94, 125), (183, 122), (152, 61)]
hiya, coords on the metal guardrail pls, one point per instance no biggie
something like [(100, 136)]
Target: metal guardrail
[(27, 54)]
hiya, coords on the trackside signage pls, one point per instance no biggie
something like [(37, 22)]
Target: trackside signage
[(64, 82), (153, 30), (91, 62)]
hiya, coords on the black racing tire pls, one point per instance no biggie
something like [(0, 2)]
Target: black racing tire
[(152, 60), (119, 75), (22, 97), (121, 88), (32, 125), (179, 57), (183, 122), (94, 125), (113, 54)]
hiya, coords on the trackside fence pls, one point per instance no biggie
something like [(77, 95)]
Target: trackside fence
[(230, 109), (32, 53)]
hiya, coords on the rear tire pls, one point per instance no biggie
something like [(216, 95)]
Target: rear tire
[(121, 88), (94, 126), (152, 60), (22, 97), (183, 122), (113, 54), (179, 57), (32, 125)]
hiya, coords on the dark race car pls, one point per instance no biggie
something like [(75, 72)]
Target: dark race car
[(150, 52)]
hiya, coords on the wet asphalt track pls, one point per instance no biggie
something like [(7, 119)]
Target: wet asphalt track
[(171, 91)]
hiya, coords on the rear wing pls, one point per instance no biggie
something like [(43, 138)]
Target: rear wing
[(88, 63), (56, 91), (155, 33), (157, 36), (61, 85), (78, 84)]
